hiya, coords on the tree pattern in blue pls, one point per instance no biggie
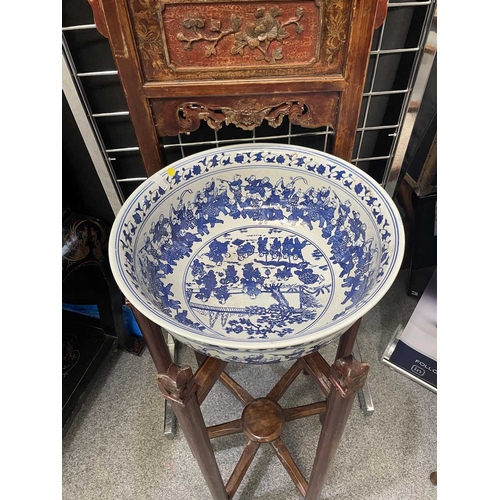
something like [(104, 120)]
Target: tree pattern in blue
[(282, 287)]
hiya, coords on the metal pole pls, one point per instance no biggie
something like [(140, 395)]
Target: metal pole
[(85, 125), (391, 176)]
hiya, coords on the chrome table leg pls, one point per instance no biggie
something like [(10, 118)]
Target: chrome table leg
[(170, 420), (364, 395)]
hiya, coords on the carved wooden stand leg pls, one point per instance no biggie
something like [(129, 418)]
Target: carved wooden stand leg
[(348, 377), (262, 419), (179, 386), (186, 392)]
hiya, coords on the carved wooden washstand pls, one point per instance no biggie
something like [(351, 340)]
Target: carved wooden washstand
[(243, 63)]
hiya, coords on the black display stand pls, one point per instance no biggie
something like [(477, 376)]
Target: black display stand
[(423, 260)]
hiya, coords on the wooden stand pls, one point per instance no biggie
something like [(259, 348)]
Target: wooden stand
[(262, 419)]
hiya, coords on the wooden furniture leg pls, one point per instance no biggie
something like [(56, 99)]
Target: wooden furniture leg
[(179, 387), (346, 346), (346, 342), (262, 419), (153, 337), (348, 376), (434, 478), (151, 333)]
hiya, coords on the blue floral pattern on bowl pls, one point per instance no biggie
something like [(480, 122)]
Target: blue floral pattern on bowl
[(257, 253)]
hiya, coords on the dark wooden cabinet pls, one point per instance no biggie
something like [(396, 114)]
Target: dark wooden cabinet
[(88, 342)]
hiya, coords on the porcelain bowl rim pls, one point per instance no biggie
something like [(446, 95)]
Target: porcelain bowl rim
[(254, 345)]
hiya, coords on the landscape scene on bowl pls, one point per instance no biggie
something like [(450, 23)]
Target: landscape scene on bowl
[(259, 280), (293, 274)]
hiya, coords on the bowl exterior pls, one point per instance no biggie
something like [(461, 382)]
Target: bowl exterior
[(260, 356)]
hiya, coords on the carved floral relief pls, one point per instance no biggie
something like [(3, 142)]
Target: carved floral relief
[(256, 36), (336, 23), (242, 35), (150, 42), (149, 38), (219, 38), (179, 115), (247, 114)]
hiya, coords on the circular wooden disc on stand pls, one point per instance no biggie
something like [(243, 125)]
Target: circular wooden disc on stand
[(263, 420)]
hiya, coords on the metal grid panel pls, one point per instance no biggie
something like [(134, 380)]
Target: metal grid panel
[(397, 48)]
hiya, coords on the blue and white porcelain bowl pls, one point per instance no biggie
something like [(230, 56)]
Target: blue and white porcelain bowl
[(257, 253)]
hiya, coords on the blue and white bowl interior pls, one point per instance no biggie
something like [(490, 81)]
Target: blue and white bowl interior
[(257, 253)]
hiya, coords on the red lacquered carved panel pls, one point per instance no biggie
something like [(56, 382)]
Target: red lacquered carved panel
[(217, 39), (242, 34)]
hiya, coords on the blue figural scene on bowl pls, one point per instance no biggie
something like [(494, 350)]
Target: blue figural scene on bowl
[(257, 253)]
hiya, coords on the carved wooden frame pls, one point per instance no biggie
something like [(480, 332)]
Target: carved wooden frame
[(162, 99)]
